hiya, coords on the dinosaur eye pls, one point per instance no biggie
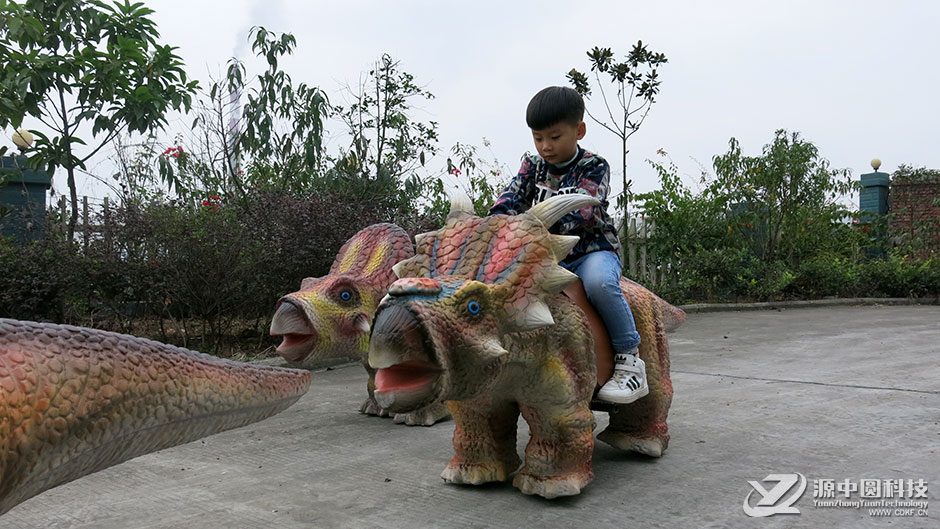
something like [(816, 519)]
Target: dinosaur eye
[(345, 295), (473, 307)]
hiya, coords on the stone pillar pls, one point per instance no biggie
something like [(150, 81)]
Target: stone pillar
[(22, 199), (873, 198)]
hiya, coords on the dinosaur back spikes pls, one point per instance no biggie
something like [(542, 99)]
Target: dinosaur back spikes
[(515, 254)]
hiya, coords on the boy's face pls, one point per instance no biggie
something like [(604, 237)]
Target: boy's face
[(558, 143)]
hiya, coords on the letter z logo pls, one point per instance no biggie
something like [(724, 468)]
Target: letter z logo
[(768, 504)]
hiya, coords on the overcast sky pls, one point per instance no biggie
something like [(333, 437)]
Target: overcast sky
[(857, 78)]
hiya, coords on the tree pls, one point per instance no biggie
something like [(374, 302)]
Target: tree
[(291, 153), (481, 179), (789, 194), (274, 141), (76, 63), (637, 83), (387, 145)]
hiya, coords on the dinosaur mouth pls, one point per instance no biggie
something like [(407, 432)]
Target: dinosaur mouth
[(406, 386), (299, 337), (407, 377)]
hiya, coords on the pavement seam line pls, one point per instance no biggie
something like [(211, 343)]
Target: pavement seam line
[(856, 386)]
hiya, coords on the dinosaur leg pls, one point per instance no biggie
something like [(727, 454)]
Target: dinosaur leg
[(484, 442), (558, 456), (641, 426), (425, 416), (370, 406)]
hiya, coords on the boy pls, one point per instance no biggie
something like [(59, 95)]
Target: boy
[(556, 117)]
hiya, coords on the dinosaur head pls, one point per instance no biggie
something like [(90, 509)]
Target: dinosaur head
[(435, 340), (331, 315), (438, 335), (328, 316)]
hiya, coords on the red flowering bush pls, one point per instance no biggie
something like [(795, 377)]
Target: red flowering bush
[(175, 152)]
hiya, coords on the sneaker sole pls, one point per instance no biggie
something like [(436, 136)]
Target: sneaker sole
[(633, 397)]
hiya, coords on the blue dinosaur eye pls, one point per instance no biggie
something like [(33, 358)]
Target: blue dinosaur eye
[(473, 307), (346, 295)]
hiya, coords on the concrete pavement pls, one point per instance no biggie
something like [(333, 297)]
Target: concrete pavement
[(836, 393)]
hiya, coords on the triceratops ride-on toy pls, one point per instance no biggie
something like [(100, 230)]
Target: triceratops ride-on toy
[(478, 319), (331, 316)]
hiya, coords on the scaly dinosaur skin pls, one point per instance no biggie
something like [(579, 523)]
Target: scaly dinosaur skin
[(330, 316), (75, 401), (476, 320)]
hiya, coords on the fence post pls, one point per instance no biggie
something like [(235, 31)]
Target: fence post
[(631, 250), (85, 229), (654, 274), (106, 226), (644, 271)]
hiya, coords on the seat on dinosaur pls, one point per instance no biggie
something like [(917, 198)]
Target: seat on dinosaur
[(603, 349)]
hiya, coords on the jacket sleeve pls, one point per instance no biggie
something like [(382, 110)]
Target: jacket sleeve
[(517, 197), (594, 182)]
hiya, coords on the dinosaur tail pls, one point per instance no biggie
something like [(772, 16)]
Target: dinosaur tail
[(75, 401), (671, 317)]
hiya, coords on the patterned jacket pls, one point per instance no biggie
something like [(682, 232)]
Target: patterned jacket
[(538, 180)]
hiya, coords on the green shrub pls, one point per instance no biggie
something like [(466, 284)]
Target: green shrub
[(38, 280), (827, 274), (898, 275)]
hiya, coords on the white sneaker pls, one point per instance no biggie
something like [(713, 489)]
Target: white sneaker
[(628, 382)]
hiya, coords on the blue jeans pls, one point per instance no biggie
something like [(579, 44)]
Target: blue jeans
[(600, 273)]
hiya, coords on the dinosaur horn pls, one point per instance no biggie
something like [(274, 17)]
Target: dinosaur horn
[(535, 315), (558, 206), (555, 279), (562, 245), (460, 205)]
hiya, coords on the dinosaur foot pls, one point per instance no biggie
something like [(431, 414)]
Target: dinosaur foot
[(553, 487), (370, 407), (426, 416), (477, 473), (650, 446)]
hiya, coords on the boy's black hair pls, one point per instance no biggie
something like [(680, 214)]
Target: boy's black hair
[(554, 105)]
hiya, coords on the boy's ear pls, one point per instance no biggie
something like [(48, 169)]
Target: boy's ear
[(582, 130)]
